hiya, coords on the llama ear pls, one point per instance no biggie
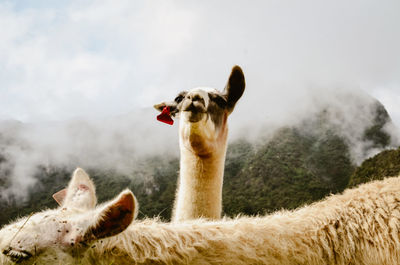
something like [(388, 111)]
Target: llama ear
[(114, 217), (173, 107), (160, 106), (235, 87), (59, 196), (80, 192)]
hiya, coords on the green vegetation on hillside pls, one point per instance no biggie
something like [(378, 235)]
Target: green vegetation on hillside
[(375, 133), (384, 164), (290, 170)]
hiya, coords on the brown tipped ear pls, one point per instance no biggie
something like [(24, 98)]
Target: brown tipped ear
[(173, 107), (160, 106), (115, 217), (235, 87)]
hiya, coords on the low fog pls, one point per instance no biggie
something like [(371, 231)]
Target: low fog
[(78, 79), (119, 143)]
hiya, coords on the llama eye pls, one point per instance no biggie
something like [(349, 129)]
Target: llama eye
[(180, 97)]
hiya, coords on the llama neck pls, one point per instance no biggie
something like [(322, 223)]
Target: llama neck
[(200, 182)]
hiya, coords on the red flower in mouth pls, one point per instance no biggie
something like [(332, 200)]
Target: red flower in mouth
[(165, 116)]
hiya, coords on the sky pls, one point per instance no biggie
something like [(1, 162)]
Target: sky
[(85, 74), (65, 59)]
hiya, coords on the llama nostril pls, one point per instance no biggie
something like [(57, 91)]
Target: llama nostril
[(198, 99)]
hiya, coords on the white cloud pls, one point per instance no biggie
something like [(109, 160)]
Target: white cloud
[(390, 98), (107, 57), (96, 57)]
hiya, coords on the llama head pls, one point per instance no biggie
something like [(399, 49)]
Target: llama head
[(203, 113), (64, 234)]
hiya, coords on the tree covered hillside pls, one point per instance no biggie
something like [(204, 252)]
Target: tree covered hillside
[(290, 170), (384, 164)]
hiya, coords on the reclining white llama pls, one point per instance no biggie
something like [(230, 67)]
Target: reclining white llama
[(203, 134), (361, 226)]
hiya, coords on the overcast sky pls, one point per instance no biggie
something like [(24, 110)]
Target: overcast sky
[(92, 64), (65, 59)]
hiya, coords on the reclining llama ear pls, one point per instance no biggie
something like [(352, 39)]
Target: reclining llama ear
[(80, 192), (234, 88), (114, 217)]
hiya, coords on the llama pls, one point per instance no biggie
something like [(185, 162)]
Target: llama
[(203, 133), (360, 226)]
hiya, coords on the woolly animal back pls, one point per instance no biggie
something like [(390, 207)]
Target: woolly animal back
[(360, 226)]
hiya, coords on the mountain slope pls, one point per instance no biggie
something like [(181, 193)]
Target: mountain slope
[(384, 164), (290, 170)]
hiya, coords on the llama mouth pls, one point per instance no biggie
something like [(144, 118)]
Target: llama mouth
[(17, 256)]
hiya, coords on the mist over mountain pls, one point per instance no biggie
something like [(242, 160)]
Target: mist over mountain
[(279, 163)]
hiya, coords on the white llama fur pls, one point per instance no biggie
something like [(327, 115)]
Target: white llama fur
[(203, 133), (360, 226)]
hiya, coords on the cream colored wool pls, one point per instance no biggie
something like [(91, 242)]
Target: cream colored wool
[(360, 226)]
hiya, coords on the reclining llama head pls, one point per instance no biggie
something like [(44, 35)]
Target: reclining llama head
[(203, 113), (64, 234)]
